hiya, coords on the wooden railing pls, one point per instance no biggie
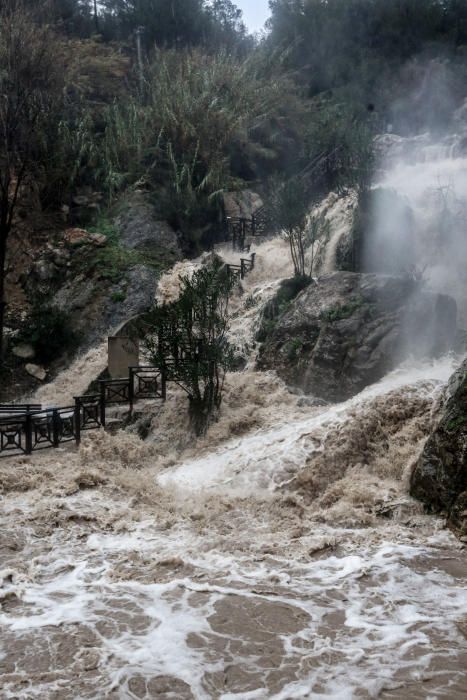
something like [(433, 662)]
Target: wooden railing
[(23, 432), (27, 428), (246, 266), (240, 228)]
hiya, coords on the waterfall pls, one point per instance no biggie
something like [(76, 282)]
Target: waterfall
[(430, 176)]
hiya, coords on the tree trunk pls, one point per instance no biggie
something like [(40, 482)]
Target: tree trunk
[(96, 16), (3, 240)]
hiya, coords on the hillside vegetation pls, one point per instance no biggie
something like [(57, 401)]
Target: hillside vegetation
[(177, 100)]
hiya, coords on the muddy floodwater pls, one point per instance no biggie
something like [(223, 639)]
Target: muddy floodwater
[(104, 600), (271, 565)]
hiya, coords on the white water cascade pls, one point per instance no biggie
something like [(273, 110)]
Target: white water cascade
[(430, 176)]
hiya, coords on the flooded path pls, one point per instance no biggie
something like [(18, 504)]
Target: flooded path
[(245, 571)]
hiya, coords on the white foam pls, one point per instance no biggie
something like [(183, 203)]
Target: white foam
[(388, 608), (267, 460)]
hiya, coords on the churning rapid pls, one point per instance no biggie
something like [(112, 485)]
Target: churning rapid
[(279, 557)]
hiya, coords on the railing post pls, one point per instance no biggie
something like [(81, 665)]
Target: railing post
[(55, 428), (102, 404), (253, 260), (242, 268), (164, 383), (244, 231), (77, 419), (28, 432), (131, 389)]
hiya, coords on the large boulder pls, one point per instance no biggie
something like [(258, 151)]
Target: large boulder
[(348, 330), (440, 476), (96, 307), (242, 204), (140, 229)]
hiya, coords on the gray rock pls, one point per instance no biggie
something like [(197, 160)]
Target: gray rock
[(77, 294), (60, 256), (36, 371), (80, 237), (243, 203), (89, 301), (44, 270), (24, 351), (350, 329), (439, 479), (140, 229), (98, 239)]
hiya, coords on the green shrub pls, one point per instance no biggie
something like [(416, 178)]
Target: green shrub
[(118, 297), (49, 331), (288, 290), (338, 313), (293, 349)]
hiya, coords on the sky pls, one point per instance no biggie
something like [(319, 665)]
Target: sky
[(255, 13)]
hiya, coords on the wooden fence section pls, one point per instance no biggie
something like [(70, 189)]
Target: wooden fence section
[(246, 266), (25, 429), (240, 228), (26, 432)]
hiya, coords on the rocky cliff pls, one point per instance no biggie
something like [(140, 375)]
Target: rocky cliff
[(440, 477), (346, 331)]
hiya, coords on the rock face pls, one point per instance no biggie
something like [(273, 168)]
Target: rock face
[(24, 351), (440, 477), (242, 204), (36, 371), (347, 331), (96, 309), (140, 229), (100, 297)]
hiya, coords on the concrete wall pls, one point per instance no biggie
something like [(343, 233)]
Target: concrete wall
[(123, 353)]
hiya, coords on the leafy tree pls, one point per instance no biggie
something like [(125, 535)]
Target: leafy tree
[(227, 27), (29, 88), (74, 17), (165, 23), (188, 339), (289, 206), (339, 140), (355, 50), (179, 23), (318, 228)]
